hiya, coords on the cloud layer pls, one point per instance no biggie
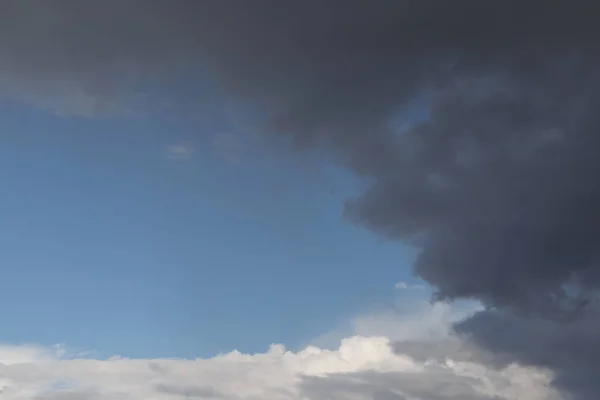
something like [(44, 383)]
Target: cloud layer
[(360, 367)]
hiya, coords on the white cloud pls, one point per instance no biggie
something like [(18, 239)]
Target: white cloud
[(361, 367), (412, 319), (406, 286), (422, 321)]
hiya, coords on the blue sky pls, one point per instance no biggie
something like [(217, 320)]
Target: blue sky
[(109, 244)]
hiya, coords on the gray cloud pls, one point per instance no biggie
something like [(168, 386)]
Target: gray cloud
[(450, 349), (188, 392), (393, 386), (497, 186), (81, 395), (571, 349)]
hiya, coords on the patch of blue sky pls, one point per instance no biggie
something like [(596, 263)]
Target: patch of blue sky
[(108, 244)]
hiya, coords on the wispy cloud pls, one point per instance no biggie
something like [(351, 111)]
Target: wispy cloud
[(406, 286), (180, 151)]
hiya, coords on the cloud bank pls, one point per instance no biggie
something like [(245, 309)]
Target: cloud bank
[(359, 367), (497, 184)]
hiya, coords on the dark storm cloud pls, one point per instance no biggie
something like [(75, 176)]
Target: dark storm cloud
[(570, 349), (498, 186)]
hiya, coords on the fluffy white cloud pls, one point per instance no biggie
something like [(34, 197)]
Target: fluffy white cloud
[(361, 367)]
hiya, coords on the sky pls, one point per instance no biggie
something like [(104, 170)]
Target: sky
[(171, 255), (300, 200)]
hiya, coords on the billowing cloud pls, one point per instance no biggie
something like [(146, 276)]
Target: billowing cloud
[(412, 319), (509, 338), (360, 367), (495, 181)]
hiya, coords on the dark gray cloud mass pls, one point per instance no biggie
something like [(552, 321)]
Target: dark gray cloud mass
[(497, 186), (570, 348)]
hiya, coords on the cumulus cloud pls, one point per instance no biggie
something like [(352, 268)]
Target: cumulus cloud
[(360, 367), (411, 319)]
